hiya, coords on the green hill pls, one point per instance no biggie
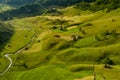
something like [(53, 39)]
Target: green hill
[(100, 5), (33, 8), (17, 3), (63, 43), (6, 32)]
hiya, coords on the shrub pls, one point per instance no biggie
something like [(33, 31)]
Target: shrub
[(26, 36), (89, 24), (113, 20), (25, 65), (108, 62), (54, 27), (97, 38), (114, 33), (73, 38), (9, 45), (83, 32), (57, 36), (26, 48), (105, 33), (79, 37), (38, 40), (82, 5), (102, 56)]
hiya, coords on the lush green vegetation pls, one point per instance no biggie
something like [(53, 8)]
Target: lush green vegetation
[(25, 11), (5, 8), (63, 44), (6, 31), (16, 3), (45, 6), (99, 5)]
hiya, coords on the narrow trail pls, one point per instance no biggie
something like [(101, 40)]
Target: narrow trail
[(10, 60), (17, 52)]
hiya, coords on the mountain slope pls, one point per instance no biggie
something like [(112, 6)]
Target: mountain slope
[(55, 54), (24, 11), (63, 44), (36, 8), (100, 5), (17, 2), (41, 6), (6, 32)]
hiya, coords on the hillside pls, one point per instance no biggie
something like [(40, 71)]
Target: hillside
[(34, 8), (6, 32), (65, 41), (17, 3), (5, 8), (99, 5)]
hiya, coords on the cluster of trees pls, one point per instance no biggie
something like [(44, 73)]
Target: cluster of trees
[(24, 11), (43, 2), (106, 35), (99, 5), (105, 59), (35, 7), (61, 2), (39, 6), (17, 2)]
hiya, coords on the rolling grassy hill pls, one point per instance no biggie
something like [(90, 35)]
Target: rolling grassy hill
[(6, 32), (69, 46), (34, 8), (55, 55)]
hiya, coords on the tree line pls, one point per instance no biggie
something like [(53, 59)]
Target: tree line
[(99, 5)]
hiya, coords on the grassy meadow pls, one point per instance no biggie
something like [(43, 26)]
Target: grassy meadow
[(75, 51)]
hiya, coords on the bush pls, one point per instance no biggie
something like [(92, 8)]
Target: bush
[(105, 33), (26, 36), (82, 5), (9, 45), (38, 40), (97, 38), (83, 32), (102, 56), (114, 33), (113, 20), (73, 38), (54, 27), (26, 48), (57, 36), (108, 62), (25, 65), (89, 24)]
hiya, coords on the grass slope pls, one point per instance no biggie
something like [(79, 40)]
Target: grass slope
[(55, 56)]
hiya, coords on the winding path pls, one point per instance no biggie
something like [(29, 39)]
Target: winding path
[(7, 56), (18, 51)]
